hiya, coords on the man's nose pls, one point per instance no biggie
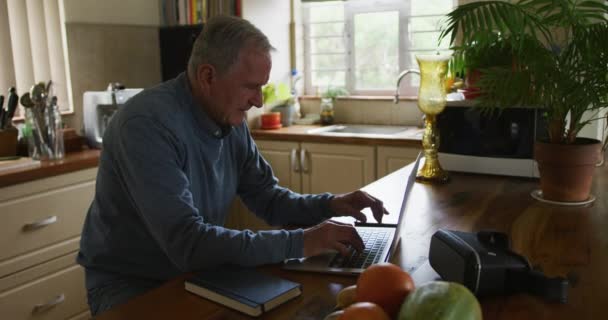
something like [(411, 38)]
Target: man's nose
[(257, 100)]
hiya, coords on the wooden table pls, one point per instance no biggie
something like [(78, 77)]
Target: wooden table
[(566, 241)]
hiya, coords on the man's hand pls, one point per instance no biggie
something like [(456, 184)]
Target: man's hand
[(331, 235), (351, 204)]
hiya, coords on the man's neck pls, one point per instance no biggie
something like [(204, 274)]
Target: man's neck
[(200, 100)]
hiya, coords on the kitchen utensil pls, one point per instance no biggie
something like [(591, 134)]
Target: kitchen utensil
[(38, 93), (1, 111), (38, 123), (11, 106)]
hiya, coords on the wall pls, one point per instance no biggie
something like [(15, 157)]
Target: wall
[(272, 18), (364, 111), (109, 41), (131, 12)]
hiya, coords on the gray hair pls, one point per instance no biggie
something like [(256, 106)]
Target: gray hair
[(221, 41)]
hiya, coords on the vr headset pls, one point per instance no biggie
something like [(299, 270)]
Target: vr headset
[(485, 264)]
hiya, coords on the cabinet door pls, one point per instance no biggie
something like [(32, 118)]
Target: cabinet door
[(393, 158), (336, 168), (283, 157)]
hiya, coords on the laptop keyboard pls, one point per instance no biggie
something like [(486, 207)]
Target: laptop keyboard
[(375, 239)]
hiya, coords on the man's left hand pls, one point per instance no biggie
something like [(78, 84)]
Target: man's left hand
[(351, 204)]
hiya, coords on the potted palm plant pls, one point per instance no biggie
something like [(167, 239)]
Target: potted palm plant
[(554, 56)]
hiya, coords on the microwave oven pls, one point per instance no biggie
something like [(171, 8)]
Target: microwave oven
[(487, 141), (99, 107)]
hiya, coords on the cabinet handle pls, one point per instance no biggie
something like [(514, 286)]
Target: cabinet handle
[(45, 306), (39, 224), (303, 160), (294, 162)]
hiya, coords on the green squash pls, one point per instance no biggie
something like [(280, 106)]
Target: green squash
[(440, 300)]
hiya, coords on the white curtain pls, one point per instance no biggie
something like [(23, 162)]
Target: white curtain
[(32, 47)]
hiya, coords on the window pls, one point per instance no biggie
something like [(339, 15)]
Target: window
[(362, 45), (32, 48)]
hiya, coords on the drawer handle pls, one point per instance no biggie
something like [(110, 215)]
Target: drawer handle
[(294, 162), (303, 163), (45, 306), (39, 224)]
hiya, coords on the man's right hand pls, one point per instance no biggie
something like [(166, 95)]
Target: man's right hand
[(331, 235)]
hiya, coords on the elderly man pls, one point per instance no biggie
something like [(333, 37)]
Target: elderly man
[(175, 157)]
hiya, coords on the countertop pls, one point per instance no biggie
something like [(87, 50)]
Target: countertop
[(90, 158), (72, 162), (411, 137)]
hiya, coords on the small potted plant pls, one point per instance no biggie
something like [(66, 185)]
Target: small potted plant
[(327, 103), (556, 55)]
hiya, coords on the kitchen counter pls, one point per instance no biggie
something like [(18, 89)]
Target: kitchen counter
[(300, 133), (72, 162), (90, 158)]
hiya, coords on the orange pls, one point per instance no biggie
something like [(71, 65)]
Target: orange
[(364, 311), (384, 284)]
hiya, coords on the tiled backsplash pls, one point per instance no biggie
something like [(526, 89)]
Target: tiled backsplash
[(104, 53), (368, 111)]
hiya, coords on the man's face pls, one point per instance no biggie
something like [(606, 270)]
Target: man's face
[(239, 88)]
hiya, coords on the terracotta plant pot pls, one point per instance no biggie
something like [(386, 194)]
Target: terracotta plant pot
[(566, 170)]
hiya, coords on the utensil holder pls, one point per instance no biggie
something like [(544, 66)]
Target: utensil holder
[(8, 142), (44, 134)]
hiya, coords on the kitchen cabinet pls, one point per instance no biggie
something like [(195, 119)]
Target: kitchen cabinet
[(39, 240), (390, 159), (311, 168), (317, 167)]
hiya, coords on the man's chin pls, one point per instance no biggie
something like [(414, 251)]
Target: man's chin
[(237, 120)]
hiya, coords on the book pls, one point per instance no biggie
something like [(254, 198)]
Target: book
[(243, 289)]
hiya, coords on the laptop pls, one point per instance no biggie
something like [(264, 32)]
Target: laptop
[(380, 241)]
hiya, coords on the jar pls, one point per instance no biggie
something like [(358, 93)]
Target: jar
[(43, 130), (327, 111)]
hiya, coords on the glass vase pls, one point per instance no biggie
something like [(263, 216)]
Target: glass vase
[(432, 101)]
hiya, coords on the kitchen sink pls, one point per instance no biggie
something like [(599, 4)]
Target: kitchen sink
[(362, 130)]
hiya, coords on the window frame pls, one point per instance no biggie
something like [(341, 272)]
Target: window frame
[(351, 8)]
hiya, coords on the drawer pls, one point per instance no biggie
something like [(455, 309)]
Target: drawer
[(57, 296), (47, 219)]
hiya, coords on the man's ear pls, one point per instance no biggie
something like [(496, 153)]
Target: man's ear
[(206, 76)]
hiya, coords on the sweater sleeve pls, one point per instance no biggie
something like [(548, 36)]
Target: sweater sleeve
[(149, 158), (259, 190)]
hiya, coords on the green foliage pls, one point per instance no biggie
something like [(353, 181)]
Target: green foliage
[(550, 54), (274, 95), (334, 92)]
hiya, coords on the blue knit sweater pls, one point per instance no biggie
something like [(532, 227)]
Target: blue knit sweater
[(167, 177)]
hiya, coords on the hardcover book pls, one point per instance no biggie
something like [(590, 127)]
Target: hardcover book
[(243, 289)]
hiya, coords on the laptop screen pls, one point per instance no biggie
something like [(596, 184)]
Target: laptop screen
[(408, 190)]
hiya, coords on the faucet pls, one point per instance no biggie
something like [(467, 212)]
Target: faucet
[(401, 75)]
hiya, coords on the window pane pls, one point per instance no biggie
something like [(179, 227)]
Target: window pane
[(327, 29), (423, 7), (333, 11), (428, 41), (323, 79), (426, 23), (327, 61), (424, 40), (327, 45), (376, 57)]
